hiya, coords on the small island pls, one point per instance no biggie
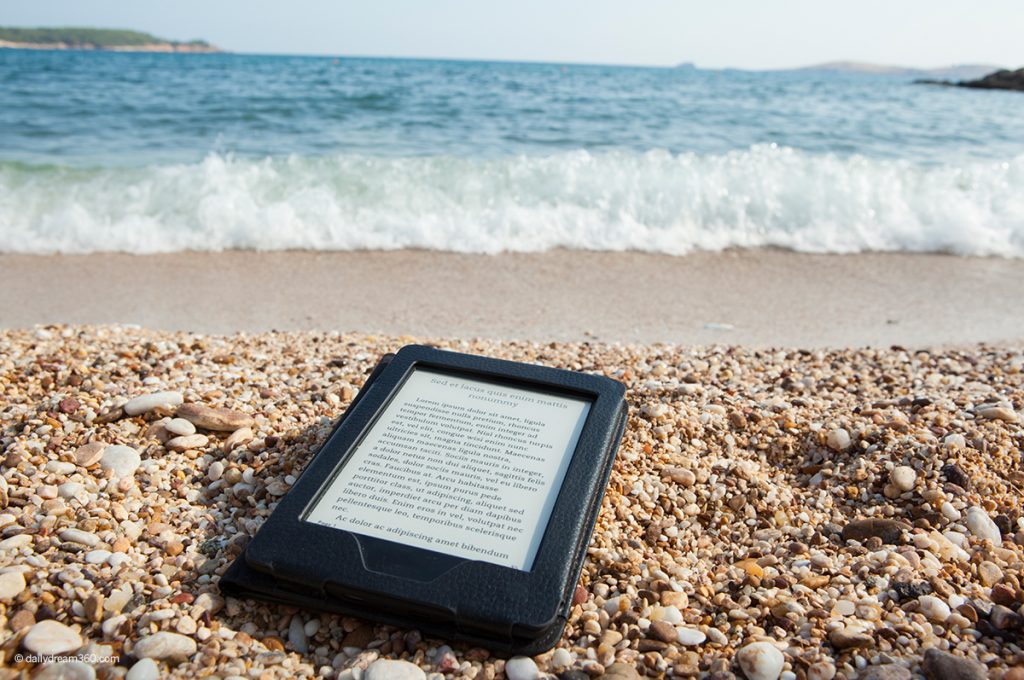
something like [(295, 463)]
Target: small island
[(114, 40), (1002, 79)]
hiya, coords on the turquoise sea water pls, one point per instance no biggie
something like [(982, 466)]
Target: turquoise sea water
[(157, 152)]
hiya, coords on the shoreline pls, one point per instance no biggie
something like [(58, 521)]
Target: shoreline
[(756, 298)]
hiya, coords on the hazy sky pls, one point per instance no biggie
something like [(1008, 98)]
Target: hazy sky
[(741, 33)]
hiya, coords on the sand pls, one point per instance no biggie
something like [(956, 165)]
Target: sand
[(751, 298)]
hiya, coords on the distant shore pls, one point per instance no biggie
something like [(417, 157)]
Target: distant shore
[(155, 47), (756, 298)]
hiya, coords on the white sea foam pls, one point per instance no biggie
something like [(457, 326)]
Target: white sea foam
[(655, 201)]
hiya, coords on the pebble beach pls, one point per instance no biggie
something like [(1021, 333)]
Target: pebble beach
[(772, 513)]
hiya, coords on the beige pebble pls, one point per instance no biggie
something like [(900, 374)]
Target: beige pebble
[(50, 638), (192, 441)]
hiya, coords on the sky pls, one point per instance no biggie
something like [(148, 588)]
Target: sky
[(755, 34)]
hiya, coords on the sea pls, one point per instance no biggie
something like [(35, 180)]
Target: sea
[(155, 153)]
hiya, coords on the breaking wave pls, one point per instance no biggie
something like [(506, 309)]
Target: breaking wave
[(765, 196)]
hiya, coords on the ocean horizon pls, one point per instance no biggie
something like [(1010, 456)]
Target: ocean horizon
[(156, 153)]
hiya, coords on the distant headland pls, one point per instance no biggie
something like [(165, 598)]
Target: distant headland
[(114, 40)]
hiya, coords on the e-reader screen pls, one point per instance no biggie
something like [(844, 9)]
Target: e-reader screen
[(457, 465)]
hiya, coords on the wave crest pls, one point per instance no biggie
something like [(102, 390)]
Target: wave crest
[(654, 201)]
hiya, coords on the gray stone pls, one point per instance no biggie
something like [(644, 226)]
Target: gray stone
[(940, 665), (885, 671)]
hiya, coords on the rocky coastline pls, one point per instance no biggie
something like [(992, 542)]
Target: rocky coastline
[(1003, 79)]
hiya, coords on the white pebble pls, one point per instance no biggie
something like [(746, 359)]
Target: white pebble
[(165, 645), (690, 636), (180, 426), (903, 477), (521, 668), (837, 439), (67, 670), (761, 661), (121, 461), (50, 638), (982, 526), (144, 669), (389, 669), (933, 608), (79, 536), (214, 472), (97, 556), (148, 402), (562, 658), (12, 584)]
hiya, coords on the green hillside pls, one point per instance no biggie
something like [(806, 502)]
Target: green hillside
[(96, 38)]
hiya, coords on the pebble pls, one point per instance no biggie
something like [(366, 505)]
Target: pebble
[(940, 665), (79, 536), (903, 477), (690, 637), (49, 638), (144, 669), (165, 645), (120, 461), (888, 530), (89, 454), (561, 658), (389, 669), (989, 573), (933, 608), (885, 671), (681, 476), (662, 630), (216, 419), (1004, 413), (148, 402), (619, 671), (821, 670), (838, 439), (237, 438), (849, 638), (12, 584), (192, 441), (15, 542), (761, 661), (180, 426), (982, 526), (297, 635), (97, 556), (67, 670), (521, 668)]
